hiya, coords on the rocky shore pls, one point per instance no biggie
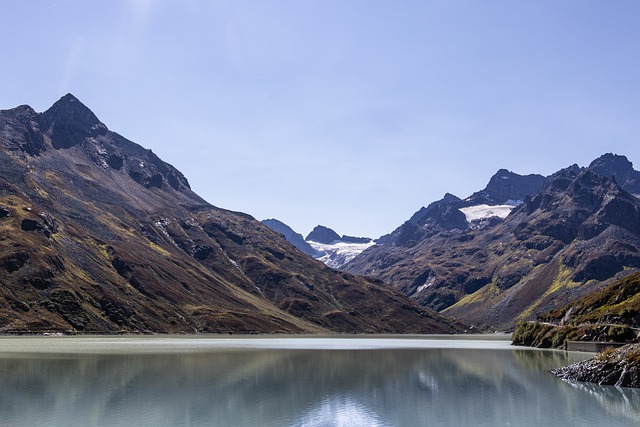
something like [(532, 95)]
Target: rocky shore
[(619, 367)]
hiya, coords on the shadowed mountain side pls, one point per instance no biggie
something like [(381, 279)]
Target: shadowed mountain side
[(619, 168), (100, 235), (577, 235), (292, 237)]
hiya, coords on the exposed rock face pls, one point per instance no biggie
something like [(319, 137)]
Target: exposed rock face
[(322, 234), (23, 137), (354, 239), (100, 235), (575, 236), (619, 168), (68, 122), (506, 186), (439, 216), (620, 368)]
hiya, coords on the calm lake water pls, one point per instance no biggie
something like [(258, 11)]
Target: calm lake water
[(297, 381)]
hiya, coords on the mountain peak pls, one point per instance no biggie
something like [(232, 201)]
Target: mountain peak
[(69, 108), (611, 161), (68, 121), (505, 187), (620, 168), (69, 97), (322, 234)]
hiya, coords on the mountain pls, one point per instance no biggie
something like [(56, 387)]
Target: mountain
[(619, 168), (507, 188), (487, 207), (339, 253), (292, 237), (438, 216), (323, 243), (101, 235), (575, 235), (333, 250), (322, 234)]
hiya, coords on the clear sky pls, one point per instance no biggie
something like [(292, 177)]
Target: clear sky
[(347, 113)]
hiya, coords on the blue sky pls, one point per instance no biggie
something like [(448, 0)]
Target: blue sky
[(348, 113)]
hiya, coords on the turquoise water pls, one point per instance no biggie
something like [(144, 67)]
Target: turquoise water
[(300, 381)]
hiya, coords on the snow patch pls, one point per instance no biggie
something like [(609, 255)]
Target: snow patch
[(337, 254), (162, 225), (429, 283), (474, 213)]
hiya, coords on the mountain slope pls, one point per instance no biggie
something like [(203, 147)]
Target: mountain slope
[(507, 188), (575, 236), (333, 250), (619, 168), (292, 237), (610, 314), (100, 235), (487, 207)]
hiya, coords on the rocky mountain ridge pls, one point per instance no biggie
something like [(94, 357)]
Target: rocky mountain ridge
[(100, 235), (335, 250), (504, 190), (575, 235)]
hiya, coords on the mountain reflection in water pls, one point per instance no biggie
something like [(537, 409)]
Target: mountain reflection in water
[(295, 387)]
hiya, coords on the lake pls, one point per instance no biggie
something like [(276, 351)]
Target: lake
[(297, 381)]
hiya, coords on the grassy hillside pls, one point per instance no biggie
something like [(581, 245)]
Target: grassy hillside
[(611, 314)]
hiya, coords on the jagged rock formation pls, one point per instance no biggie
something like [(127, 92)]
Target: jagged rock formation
[(505, 190), (575, 236), (441, 215), (619, 168), (322, 234), (100, 235), (506, 187)]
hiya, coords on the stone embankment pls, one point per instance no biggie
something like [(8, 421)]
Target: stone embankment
[(619, 367)]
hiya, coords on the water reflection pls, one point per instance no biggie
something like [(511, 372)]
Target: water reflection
[(618, 402), (383, 387)]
